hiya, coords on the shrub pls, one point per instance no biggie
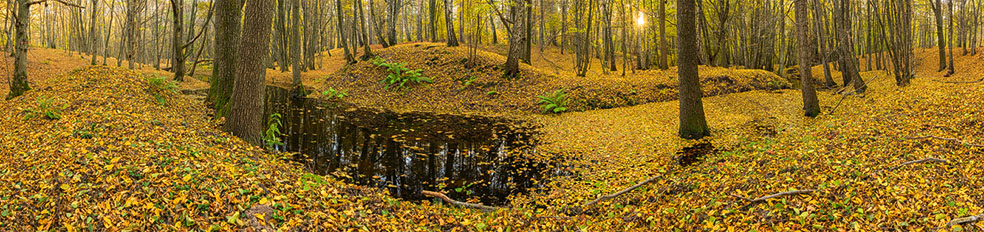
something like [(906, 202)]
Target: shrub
[(46, 108), (399, 76), (161, 84), (555, 102), (272, 135)]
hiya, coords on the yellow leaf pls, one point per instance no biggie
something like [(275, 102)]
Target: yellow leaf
[(263, 201), (65, 187), (186, 177)]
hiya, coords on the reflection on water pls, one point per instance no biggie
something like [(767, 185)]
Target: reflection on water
[(465, 156)]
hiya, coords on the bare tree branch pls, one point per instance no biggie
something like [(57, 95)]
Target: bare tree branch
[(959, 82), (458, 203), (947, 139), (762, 199), (965, 220), (59, 1), (626, 190)]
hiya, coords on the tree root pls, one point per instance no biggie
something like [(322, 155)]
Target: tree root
[(458, 203), (947, 139), (626, 190), (752, 202)]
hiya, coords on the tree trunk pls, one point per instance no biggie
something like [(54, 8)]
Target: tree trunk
[(340, 18), (692, 122), (227, 29), (810, 103), (949, 42), (366, 51), (432, 7), (937, 7), (517, 39), (19, 84), (177, 57), (394, 13), (664, 48), (448, 20), (93, 39), (246, 113), (846, 47), (295, 48)]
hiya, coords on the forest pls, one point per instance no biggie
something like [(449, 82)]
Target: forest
[(492, 115)]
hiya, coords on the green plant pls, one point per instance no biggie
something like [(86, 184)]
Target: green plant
[(400, 76), (332, 93), (467, 80), (272, 135), (555, 102), (86, 133), (159, 84), (46, 109)]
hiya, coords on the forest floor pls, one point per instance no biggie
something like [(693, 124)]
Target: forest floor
[(98, 149)]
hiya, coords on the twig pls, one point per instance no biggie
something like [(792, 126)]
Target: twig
[(906, 163), (458, 203), (762, 199), (626, 190), (947, 139), (964, 220), (959, 82), (918, 161)]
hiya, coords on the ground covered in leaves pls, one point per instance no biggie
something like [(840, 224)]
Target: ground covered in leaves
[(105, 149), (461, 85)]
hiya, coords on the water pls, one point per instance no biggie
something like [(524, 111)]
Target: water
[(466, 157)]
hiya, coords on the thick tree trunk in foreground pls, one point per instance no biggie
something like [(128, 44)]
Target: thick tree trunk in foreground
[(246, 114), (517, 38), (949, 42), (692, 122), (810, 103), (227, 16), (93, 39), (18, 84)]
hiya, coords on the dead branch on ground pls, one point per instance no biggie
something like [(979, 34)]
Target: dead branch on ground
[(458, 203), (752, 202), (946, 139), (626, 190)]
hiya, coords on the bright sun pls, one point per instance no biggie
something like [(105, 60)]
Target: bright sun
[(640, 21)]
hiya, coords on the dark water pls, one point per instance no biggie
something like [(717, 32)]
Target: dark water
[(467, 157)]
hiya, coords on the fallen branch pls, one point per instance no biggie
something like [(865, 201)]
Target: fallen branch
[(626, 190), (919, 161), (959, 82), (947, 139), (905, 164), (458, 203), (965, 220), (755, 201)]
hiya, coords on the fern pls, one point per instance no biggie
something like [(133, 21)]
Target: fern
[(46, 109), (399, 76), (272, 135), (555, 102), (333, 93)]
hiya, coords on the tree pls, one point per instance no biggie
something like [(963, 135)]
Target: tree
[(664, 48), (246, 114), (227, 16), (177, 57), (340, 18), (846, 46), (949, 42), (810, 102), (516, 30), (295, 48), (452, 39), (93, 40), (394, 13), (692, 122), (937, 6), (360, 15), (22, 25)]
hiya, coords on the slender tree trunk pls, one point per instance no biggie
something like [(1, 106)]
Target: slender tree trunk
[(109, 31), (846, 47), (246, 114), (810, 103), (937, 7), (177, 62), (664, 48), (949, 42), (295, 48), (340, 18), (367, 52), (448, 20), (432, 7), (93, 39)]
